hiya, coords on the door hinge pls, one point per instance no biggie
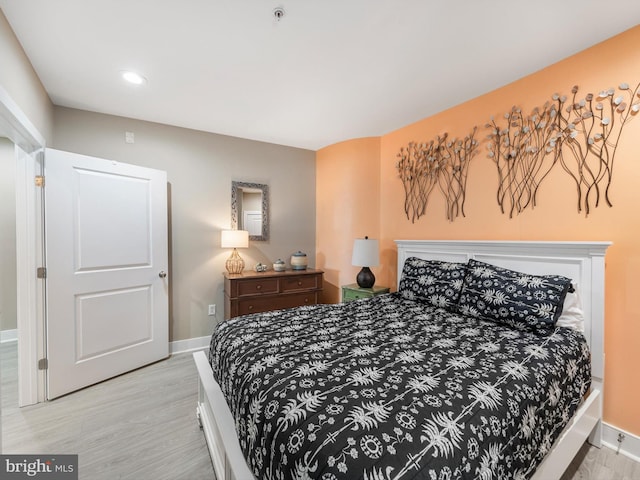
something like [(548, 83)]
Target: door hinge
[(41, 272), (39, 180), (43, 364)]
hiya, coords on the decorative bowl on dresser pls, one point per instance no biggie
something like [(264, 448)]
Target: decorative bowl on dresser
[(252, 292)]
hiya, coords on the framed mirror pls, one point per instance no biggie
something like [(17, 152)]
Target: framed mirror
[(250, 209)]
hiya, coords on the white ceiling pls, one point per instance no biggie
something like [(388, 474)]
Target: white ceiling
[(329, 70)]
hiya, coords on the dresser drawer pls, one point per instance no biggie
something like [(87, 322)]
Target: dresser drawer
[(267, 303), (306, 282), (260, 286), (255, 292), (354, 292), (354, 295)]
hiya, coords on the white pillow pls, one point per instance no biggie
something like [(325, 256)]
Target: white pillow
[(572, 315)]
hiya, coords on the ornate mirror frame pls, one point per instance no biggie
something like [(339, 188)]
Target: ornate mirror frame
[(237, 189)]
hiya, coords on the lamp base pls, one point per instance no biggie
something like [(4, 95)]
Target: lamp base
[(235, 263), (366, 278)]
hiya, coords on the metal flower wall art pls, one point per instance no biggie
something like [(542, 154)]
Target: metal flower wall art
[(580, 135), (441, 163), (519, 151)]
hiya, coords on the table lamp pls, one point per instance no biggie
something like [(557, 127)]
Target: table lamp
[(365, 255), (234, 239)]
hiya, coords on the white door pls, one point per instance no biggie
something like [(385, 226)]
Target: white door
[(106, 255), (253, 222)]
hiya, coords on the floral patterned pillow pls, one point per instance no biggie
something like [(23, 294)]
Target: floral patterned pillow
[(435, 282), (510, 297)]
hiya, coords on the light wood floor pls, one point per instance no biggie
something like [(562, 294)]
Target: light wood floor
[(142, 426), (138, 426)]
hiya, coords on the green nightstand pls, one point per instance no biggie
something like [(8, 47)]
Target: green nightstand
[(354, 292)]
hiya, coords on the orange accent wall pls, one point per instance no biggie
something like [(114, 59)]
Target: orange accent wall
[(347, 201), (347, 207)]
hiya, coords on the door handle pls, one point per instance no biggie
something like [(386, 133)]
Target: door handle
[(162, 274)]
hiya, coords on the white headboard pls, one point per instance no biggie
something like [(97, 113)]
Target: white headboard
[(583, 262)]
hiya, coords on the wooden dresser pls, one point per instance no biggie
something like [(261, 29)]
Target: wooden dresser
[(251, 292)]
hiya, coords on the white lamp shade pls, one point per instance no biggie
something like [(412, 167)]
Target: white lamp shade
[(365, 252), (234, 239)]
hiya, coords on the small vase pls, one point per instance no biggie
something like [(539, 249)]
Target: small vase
[(299, 261), (279, 266)]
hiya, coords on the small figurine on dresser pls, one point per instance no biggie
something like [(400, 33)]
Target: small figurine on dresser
[(260, 267)]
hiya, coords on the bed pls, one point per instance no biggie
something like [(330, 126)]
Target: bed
[(356, 373)]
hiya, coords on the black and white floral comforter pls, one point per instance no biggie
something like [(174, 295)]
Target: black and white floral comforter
[(388, 388)]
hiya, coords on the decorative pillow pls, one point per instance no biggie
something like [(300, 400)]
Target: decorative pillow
[(572, 315), (432, 281), (511, 297)]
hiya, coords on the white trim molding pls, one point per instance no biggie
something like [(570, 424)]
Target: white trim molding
[(30, 290), (630, 446), (189, 345), (29, 143), (17, 125), (9, 335)]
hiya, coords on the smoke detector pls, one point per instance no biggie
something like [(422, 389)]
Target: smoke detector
[(278, 13)]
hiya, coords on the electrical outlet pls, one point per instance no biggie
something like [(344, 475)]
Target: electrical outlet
[(212, 310)]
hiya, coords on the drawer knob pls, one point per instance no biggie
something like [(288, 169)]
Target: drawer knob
[(250, 307), (258, 287), (299, 283), (306, 300)]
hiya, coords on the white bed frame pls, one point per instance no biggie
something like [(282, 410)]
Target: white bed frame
[(581, 261)]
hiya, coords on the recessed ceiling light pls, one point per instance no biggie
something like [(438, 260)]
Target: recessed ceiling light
[(133, 77)]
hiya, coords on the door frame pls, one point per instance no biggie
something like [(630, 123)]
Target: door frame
[(31, 301)]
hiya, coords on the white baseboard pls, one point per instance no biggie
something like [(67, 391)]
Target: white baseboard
[(9, 335), (189, 345), (630, 446)]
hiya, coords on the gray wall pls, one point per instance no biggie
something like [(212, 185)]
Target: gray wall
[(22, 84), (8, 293), (200, 168)]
